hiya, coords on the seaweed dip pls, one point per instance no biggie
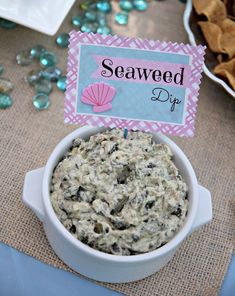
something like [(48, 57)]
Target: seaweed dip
[(119, 196)]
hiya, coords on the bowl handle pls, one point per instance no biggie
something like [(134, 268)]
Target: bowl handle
[(32, 192), (204, 211)]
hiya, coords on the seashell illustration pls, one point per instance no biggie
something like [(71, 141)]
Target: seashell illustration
[(99, 95)]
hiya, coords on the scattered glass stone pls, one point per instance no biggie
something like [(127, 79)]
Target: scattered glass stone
[(104, 6), (36, 51), (5, 24), (1, 69), (63, 40), (126, 5), (6, 86), (43, 87), (140, 5), (91, 16), (77, 21), (41, 101), (52, 74), (61, 83), (48, 59), (24, 58), (33, 77), (101, 18), (5, 101), (87, 27), (85, 5), (122, 18), (105, 30)]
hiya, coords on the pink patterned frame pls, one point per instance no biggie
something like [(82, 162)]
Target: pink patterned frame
[(72, 117)]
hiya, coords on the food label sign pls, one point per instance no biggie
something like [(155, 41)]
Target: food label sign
[(132, 83)]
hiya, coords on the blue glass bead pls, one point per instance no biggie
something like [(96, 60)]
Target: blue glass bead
[(140, 5), (6, 86), (52, 74), (36, 51), (77, 21), (43, 86), (5, 24), (63, 40), (91, 16), (86, 27), (126, 5), (122, 18), (41, 101), (61, 83), (104, 6), (24, 58), (105, 30), (101, 18), (1, 69), (5, 101), (48, 59), (33, 77)]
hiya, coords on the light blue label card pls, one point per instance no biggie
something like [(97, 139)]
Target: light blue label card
[(132, 83)]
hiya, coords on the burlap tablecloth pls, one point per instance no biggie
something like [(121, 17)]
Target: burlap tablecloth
[(28, 137)]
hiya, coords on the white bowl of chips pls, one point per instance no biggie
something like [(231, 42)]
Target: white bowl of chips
[(220, 68)]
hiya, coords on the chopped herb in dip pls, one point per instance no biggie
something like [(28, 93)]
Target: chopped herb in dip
[(119, 196)]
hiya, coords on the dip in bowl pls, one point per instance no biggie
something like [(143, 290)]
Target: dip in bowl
[(122, 196), (105, 266)]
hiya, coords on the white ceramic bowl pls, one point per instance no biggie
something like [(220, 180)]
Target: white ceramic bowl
[(95, 264)]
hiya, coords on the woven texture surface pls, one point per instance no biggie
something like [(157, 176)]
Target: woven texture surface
[(28, 137)]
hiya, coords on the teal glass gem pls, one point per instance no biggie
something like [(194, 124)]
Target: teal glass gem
[(5, 24), (24, 58), (1, 69), (121, 18), (101, 18), (33, 77), (86, 27), (43, 86), (41, 101), (6, 86), (104, 6), (63, 40), (61, 83), (5, 101), (140, 5), (48, 59), (105, 30), (36, 51), (77, 21), (126, 5), (90, 15), (52, 74)]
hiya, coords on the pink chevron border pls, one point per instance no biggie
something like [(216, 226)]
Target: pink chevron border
[(196, 53)]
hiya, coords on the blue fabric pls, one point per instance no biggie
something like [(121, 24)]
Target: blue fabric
[(22, 275), (228, 287)]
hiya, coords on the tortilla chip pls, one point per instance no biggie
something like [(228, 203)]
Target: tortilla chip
[(227, 25), (213, 35), (228, 36), (214, 10), (228, 43), (227, 70)]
